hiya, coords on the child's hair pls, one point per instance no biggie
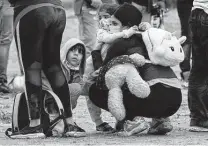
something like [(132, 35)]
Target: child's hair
[(78, 47), (108, 8)]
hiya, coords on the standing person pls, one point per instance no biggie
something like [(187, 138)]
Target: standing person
[(184, 11), (86, 11), (6, 18), (39, 26), (198, 79)]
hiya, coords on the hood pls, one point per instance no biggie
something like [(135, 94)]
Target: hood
[(67, 46)]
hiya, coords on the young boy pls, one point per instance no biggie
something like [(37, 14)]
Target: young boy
[(73, 57), (39, 25), (198, 79)]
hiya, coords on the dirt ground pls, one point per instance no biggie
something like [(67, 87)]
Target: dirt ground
[(179, 136)]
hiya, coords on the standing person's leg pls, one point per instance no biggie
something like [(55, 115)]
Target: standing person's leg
[(88, 29), (6, 28), (29, 35), (184, 10), (52, 66), (197, 91)]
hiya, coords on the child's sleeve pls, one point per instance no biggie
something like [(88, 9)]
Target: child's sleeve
[(106, 37), (86, 81)]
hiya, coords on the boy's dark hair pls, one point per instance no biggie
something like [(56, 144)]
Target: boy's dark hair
[(108, 8)]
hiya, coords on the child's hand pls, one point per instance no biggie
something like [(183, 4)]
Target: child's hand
[(93, 75), (144, 26), (131, 31)]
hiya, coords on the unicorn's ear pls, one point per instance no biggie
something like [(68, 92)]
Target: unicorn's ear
[(182, 39)]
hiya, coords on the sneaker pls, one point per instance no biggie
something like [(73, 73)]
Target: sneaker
[(74, 131), (198, 125), (134, 127), (29, 133), (104, 127), (160, 126), (119, 126), (4, 88)]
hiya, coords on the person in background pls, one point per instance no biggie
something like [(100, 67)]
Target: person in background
[(6, 28), (198, 79), (184, 10)]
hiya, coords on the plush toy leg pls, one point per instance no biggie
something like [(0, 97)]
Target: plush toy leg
[(115, 104), (115, 77), (136, 84)]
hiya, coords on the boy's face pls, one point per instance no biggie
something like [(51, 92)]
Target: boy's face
[(115, 25), (155, 21), (75, 55), (103, 20), (104, 15)]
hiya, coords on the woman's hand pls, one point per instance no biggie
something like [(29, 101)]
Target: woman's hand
[(131, 31)]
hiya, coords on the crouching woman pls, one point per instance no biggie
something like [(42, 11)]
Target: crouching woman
[(163, 101)]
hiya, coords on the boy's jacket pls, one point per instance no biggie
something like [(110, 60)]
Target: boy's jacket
[(77, 78)]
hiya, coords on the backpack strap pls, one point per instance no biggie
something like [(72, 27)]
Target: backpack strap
[(61, 116)]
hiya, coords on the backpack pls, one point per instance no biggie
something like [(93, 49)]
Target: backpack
[(20, 117)]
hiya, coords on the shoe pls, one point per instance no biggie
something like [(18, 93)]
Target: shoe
[(198, 125), (104, 127), (74, 131), (119, 126), (29, 133), (160, 126), (134, 127), (4, 88)]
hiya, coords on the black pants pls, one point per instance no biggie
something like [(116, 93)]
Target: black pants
[(38, 37), (184, 10), (163, 101), (198, 79)]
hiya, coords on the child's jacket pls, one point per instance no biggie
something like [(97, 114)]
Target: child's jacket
[(73, 75)]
